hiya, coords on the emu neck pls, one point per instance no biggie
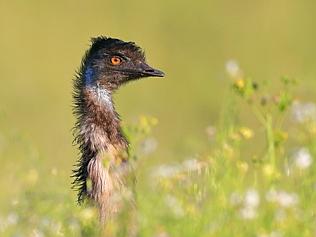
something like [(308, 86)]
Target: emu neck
[(104, 150), (101, 124), (100, 98)]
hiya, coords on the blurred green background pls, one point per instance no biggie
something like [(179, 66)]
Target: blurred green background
[(42, 42)]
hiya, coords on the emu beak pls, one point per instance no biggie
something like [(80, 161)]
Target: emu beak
[(148, 71)]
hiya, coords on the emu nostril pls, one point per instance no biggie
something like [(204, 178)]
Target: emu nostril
[(149, 71), (155, 73)]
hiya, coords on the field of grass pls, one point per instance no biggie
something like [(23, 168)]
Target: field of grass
[(225, 145)]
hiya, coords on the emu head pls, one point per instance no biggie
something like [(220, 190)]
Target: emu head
[(113, 62)]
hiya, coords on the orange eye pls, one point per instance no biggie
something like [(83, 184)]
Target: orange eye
[(116, 61)]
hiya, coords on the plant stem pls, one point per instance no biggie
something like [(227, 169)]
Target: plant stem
[(270, 139)]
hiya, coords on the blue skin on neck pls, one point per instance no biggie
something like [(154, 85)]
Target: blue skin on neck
[(89, 75)]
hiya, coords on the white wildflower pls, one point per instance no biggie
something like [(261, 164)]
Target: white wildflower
[(302, 158), (250, 204), (232, 68), (252, 198), (304, 112), (284, 199), (287, 199)]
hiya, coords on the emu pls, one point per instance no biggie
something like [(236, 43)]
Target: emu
[(102, 170)]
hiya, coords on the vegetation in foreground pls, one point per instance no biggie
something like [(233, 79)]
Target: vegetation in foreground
[(231, 190)]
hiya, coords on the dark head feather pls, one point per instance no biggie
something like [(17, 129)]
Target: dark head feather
[(112, 45)]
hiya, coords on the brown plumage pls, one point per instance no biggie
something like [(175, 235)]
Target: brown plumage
[(108, 64)]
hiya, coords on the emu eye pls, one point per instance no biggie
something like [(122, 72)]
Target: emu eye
[(116, 61)]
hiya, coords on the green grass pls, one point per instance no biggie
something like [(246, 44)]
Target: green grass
[(229, 190)]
